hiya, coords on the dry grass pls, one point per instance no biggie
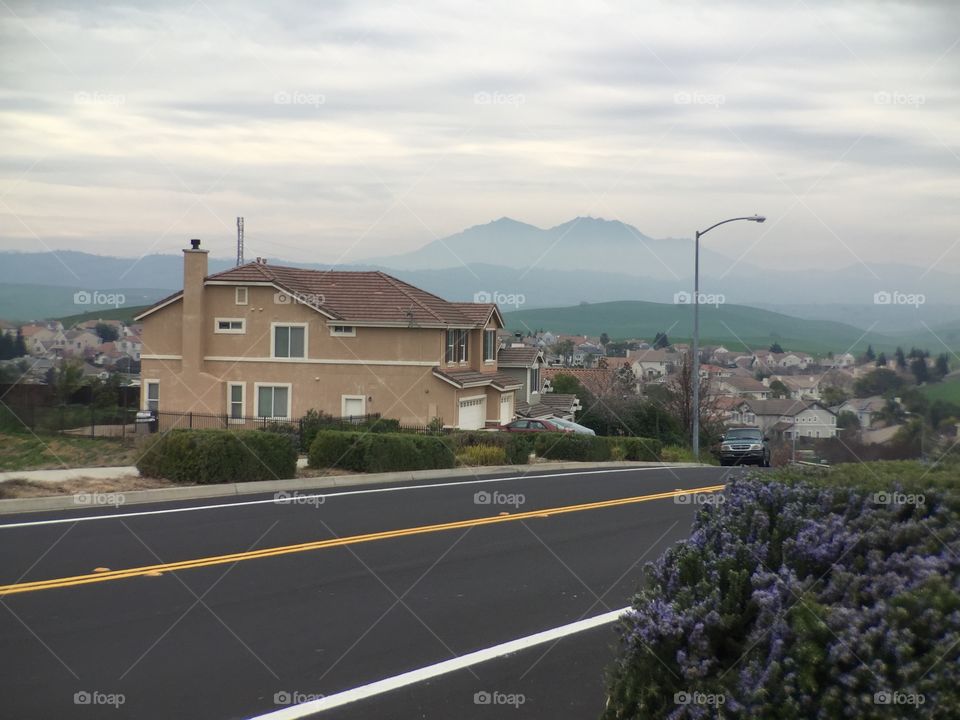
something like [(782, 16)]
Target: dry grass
[(20, 488)]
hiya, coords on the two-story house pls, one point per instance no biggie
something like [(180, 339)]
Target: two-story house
[(274, 342), (786, 418)]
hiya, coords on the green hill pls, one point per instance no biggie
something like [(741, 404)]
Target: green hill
[(126, 314), (735, 326), (23, 302)]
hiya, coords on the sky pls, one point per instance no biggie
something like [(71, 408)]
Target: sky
[(347, 130)]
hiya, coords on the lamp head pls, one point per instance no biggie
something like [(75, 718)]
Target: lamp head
[(757, 218)]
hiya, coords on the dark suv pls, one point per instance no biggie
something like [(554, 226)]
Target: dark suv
[(742, 446)]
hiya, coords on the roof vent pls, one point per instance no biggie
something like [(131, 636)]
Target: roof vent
[(195, 243)]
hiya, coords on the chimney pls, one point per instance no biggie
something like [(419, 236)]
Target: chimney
[(517, 340), (192, 322)]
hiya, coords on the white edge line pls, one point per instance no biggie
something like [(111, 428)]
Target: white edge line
[(301, 497), (442, 668)]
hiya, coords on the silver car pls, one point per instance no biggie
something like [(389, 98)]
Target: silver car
[(570, 425)]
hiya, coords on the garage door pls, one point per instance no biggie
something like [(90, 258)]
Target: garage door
[(473, 413), (506, 408)]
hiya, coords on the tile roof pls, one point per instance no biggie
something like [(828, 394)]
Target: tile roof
[(518, 356), (564, 402), (536, 410), (472, 378), (745, 384), (781, 406), (367, 296)]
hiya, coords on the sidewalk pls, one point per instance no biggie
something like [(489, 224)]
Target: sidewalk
[(194, 492)]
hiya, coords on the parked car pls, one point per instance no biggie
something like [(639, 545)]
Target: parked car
[(523, 425), (570, 425), (742, 446)]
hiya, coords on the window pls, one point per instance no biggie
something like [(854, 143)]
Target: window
[(241, 296), (289, 341), (273, 401), (343, 331), (535, 380), (235, 401), (489, 345), (353, 406), (457, 345), (230, 326), (151, 398)]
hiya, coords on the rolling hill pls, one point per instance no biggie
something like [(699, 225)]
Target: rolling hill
[(736, 326)]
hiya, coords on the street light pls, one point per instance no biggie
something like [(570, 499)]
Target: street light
[(696, 329)]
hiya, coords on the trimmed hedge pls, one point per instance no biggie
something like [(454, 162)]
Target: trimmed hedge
[(218, 456), (380, 452), (595, 448)]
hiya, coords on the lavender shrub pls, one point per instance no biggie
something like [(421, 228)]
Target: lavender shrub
[(799, 600)]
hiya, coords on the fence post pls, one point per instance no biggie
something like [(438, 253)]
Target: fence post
[(190, 420), (93, 421)]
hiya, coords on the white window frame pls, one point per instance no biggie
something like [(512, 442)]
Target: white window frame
[(146, 392), (351, 332), (241, 292), (273, 340), (256, 400), (243, 401), (493, 346), (343, 404), (229, 331)]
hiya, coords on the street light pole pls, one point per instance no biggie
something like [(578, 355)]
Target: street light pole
[(695, 364)]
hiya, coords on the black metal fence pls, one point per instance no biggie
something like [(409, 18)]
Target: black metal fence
[(123, 423)]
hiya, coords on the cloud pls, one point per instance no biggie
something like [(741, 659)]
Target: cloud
[(373, 127)]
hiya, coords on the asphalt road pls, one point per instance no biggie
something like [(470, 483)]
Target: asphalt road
[(240, 636)]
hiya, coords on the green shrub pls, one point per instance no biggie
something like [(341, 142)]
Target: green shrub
[(676, 453), (595, 448), (475, 455), (639, 448), (380, 452), (218, 456), (332, 448), (516, 446)]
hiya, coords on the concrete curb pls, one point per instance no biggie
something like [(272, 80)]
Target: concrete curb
[(195, 492)]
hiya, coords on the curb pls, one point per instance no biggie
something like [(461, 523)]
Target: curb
[(195, 492)]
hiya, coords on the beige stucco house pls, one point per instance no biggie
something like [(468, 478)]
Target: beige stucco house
[(266, 341)]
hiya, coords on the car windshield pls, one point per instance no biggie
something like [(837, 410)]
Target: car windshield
[(743, 435)]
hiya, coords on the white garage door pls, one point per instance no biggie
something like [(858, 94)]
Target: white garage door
[(506, 408), (473, 413)]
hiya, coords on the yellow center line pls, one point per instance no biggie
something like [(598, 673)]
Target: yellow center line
[(149, 570)]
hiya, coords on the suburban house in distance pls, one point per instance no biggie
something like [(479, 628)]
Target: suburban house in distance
[(274, 342), (785, 417)]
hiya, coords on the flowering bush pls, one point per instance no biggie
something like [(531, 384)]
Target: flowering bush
[(801, 598)]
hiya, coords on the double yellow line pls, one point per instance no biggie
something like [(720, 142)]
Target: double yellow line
[(149, 570)]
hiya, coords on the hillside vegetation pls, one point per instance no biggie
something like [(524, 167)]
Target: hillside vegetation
[(735, 326)]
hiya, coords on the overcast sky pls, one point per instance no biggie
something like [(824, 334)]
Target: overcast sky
[(344, 130)]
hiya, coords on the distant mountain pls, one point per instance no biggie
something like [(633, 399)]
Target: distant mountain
[(22, 303), (582, 244), (736, 326)]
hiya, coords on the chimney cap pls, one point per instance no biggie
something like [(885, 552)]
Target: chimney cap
[(195, 243)]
